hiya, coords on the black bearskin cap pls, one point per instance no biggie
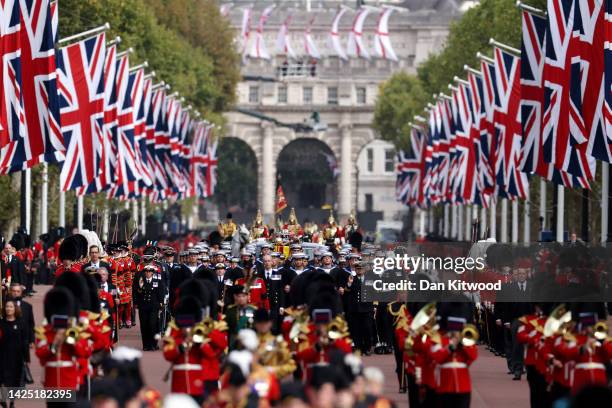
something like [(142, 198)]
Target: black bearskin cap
[(77, 284), (59, 301)]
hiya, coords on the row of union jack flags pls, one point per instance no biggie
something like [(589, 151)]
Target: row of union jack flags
[(108, 126), (547, 112)]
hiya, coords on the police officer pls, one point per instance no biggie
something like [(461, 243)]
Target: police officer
[(240, 315), (149, 299)]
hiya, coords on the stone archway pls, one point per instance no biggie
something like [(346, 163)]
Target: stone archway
[(307, 169)]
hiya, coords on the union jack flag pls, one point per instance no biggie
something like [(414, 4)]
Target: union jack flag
[(198, 160), (39, 138), (564, 136), (590, 32), (608, 68), (510, 180), (409, 170), (488, 140), (158, 141), (80, 69), (136, 85), (532, 98), (11, 119), (211, 166), (127, 165)]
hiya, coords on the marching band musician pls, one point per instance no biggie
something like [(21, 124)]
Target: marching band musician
[(59, 342), (184, 348), (454, 354), (273, 352), (530, 334)]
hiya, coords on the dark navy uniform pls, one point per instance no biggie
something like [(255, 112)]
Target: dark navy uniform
[(149, 299)]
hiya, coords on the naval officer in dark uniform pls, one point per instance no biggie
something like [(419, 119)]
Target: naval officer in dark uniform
[(149, 299)]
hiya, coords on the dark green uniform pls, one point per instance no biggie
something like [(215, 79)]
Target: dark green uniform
[(238, 318)]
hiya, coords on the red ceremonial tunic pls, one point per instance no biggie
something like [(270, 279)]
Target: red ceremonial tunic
[(454, 375)]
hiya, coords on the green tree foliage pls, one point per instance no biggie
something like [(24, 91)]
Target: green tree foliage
[(400, 98), (236, 175)]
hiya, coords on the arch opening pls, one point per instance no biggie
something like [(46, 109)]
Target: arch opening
[(307, 170)]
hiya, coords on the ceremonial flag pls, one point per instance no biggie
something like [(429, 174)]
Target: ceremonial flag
[(334, 34), (532, 98), (211, 165), (245, 32), (80, 69), (281, 201), (11, 119), (127, 165), (355, 47), (510, 180), (38, 137), (608, 69), (564, 138), (309, 45), (258, 47), (137, 88), (283, 42), (382, 42)]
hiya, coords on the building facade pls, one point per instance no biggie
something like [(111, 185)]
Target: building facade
[(341, 92)]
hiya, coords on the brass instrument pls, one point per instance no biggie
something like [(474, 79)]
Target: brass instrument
[(469, 335), (274, 354), (557, 321), (600, 331), (423, 324), (72, 335)]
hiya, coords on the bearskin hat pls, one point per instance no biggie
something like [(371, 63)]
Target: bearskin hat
[(188, 311), (214, 238), (197, 289), (356, 239), (69, 249), (93, 285), (59, 301), (77, 284)]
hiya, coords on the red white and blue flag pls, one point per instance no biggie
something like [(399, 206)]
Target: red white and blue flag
[(80, 70)]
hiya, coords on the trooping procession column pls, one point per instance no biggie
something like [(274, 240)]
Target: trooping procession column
[(345, 193), (268, 170)]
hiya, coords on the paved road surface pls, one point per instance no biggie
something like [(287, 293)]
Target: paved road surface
[(493, 388)]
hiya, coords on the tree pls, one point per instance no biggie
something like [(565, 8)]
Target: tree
[(237, 175), (400, 99)]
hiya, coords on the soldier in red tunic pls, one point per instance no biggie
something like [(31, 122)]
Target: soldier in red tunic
[(123, 269), (255, 287), (59, 342)]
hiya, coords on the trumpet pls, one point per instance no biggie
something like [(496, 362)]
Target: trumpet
[(600, 331), (469, 335), (557, 321)]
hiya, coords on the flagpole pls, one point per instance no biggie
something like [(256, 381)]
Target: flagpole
[(453, 221), (135, 212), (560, 211), (430, 220), (483, 222), (468, 222), (421, 223), (44, 199), (459, 222), (446, 221), (493, 230), (585, 215), (515, 221), (28, 202), (87, 33), (143, 216), (605, 192), (527, 220), (62, 208), (543, 203), (105, 222), (504, 221), (80, 204)]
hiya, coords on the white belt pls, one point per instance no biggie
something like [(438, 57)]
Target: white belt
[(59, 364), (187, 367), (453, 364), (590, 366)]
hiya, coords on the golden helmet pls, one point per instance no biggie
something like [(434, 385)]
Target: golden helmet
[(331, 220), (258, 218), (292, 217)]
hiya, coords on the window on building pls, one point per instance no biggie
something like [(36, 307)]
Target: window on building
[(253, 94), (282, 94), (332, 95), (307, 95), (389, 160), (370, 153), (361, 95), (369, 202)]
